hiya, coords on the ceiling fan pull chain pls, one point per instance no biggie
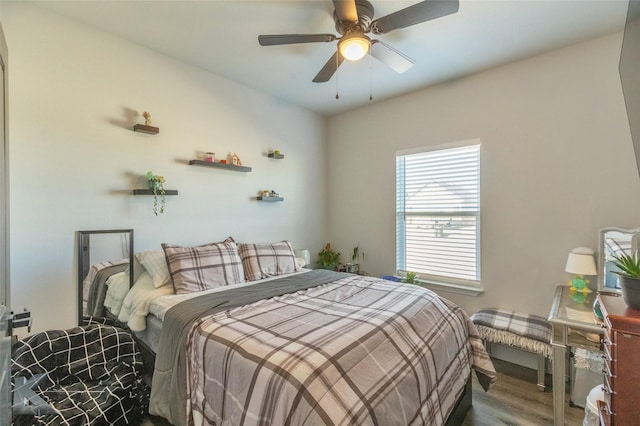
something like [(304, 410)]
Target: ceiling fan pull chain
[(370, 77), (337, 73)]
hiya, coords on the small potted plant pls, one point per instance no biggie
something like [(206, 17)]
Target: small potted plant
[(156, 184), (629, 273), (354, 266), (328, 258), (410, 278)]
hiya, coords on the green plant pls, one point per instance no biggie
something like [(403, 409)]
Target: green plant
[(355, 255), (410, 278), (156, 184), (629, 265), (328, 258)]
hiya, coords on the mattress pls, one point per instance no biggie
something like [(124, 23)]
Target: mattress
[(150, 336)]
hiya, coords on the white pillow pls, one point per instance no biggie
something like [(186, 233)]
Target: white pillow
[(156, 265), (117, 289), (135, 306)]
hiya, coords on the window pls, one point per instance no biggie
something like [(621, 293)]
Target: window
[(438, 215)]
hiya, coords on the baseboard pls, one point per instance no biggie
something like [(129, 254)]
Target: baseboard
[(515, 356), (520, 372)]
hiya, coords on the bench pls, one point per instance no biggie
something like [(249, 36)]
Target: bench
[(527, 332)]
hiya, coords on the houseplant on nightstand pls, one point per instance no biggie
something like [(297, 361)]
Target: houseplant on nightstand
[(328, 258), (629, 280), (354, 266)]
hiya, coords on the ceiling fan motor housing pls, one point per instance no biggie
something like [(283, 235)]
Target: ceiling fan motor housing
[(365, 16)]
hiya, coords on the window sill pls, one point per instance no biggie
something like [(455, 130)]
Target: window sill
[(452, 288)]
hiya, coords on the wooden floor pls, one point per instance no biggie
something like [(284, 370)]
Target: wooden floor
[(513, 400)]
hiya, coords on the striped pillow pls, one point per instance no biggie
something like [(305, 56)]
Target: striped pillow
[(203, 267), (267, 260)]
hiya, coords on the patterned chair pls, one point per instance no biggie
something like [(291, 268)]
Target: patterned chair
[(90, 375)]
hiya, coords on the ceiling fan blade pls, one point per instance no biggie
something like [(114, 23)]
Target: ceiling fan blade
[(329, 68), (272, 40), (419, 12), (389, 56), (346, 10)]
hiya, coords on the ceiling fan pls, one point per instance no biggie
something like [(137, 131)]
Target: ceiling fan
[(354, 19)]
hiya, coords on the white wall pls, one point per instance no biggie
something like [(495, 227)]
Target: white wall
[(76, 92), (554, 132), (557, 164)]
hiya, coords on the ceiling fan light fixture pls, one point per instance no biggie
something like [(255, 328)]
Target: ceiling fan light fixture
[(354, 46)]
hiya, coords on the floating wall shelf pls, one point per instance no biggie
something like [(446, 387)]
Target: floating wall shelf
[(276, 156), (150, 192), (219, 165), (270, 199), (146, 129)]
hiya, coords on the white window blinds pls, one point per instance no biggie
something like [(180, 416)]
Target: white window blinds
[(438, 214)]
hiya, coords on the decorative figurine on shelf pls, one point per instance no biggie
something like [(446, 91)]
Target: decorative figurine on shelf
[(146, 127), (273, 194), (235, 160), (156, 184)]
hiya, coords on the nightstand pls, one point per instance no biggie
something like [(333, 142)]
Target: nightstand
[(573, 325)]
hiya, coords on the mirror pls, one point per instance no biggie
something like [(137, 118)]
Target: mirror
[(100, 255), (614, 241), (628, 69)]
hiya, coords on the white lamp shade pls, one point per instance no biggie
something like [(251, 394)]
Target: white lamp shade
[(303, 254), (581, 262)]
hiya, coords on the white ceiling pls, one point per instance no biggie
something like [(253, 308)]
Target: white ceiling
[(221, 36)]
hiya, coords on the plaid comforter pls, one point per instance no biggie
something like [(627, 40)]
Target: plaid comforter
[(355, 351), (91, 376)]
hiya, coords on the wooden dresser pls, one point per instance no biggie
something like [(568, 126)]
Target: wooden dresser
[(621, 346)]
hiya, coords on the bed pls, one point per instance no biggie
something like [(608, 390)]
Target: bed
[(272, 343)]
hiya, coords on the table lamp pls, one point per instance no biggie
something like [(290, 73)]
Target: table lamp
[(581, 262)]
